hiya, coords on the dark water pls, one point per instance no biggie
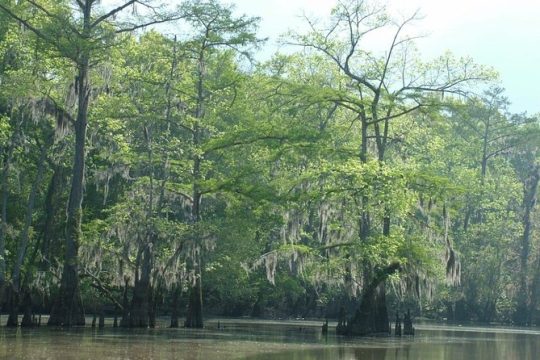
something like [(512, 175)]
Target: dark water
[(263, 340)]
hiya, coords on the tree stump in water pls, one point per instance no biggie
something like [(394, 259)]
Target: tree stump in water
[(371, 318), (325, 328)]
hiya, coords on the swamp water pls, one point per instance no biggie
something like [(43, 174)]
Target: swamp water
[(264, 340)]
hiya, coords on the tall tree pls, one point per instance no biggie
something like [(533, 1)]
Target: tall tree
[(379, 90), (215, 27), (79, 34), (528, 167)]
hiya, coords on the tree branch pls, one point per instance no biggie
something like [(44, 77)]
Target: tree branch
[(244, 142), (97, 284), (390, 117), (49, 14), (112, 13), (26, 24), (153, 22), (393, 46)]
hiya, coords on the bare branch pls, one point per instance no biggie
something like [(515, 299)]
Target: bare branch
[(500, 151), (153, 22), (504, 136), (395, 43), (390, 117), (112, 13)]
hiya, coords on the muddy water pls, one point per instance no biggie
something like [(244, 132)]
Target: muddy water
[(264, 340)]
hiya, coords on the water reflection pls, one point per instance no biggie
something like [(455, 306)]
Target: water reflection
[(264, 341)]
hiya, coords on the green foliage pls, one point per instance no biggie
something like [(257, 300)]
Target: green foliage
[(291, 160)]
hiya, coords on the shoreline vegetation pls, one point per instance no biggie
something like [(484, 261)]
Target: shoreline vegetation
[(146, 172)]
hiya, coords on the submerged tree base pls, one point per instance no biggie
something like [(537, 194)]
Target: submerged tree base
[(194, 317), (67, 311), (371, 318)]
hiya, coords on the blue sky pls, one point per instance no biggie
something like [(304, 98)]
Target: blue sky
[(501, 33)]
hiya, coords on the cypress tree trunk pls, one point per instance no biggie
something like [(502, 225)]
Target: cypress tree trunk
[(535, 289), (6, 167), (68, 308), (174, 307), (152, 306), (51, 210), (124, 322), (194, 318), (521, 315), (27, 320), (141, 292), (3, 225), (372, 316), (23, 245), (13, 307), (139, 305), (101, 323)]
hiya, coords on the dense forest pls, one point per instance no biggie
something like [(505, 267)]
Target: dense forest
[(144, 174)]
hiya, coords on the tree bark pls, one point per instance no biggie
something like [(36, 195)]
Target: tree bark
[(153, 306), (194, 318), (68, 309), (174, 306), (535, 292), (51, 209), (27, 320), (23, 243), (6, 167), (141, 292), (101, 323), (372, 316), (529, 201), (3, 224), (13, 308), (124, 322)]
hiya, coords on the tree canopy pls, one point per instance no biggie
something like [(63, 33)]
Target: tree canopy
[(144, 173)]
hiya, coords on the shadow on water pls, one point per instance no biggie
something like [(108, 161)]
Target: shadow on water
[(265, 340)]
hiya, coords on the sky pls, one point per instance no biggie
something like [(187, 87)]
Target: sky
[(504, 34)]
